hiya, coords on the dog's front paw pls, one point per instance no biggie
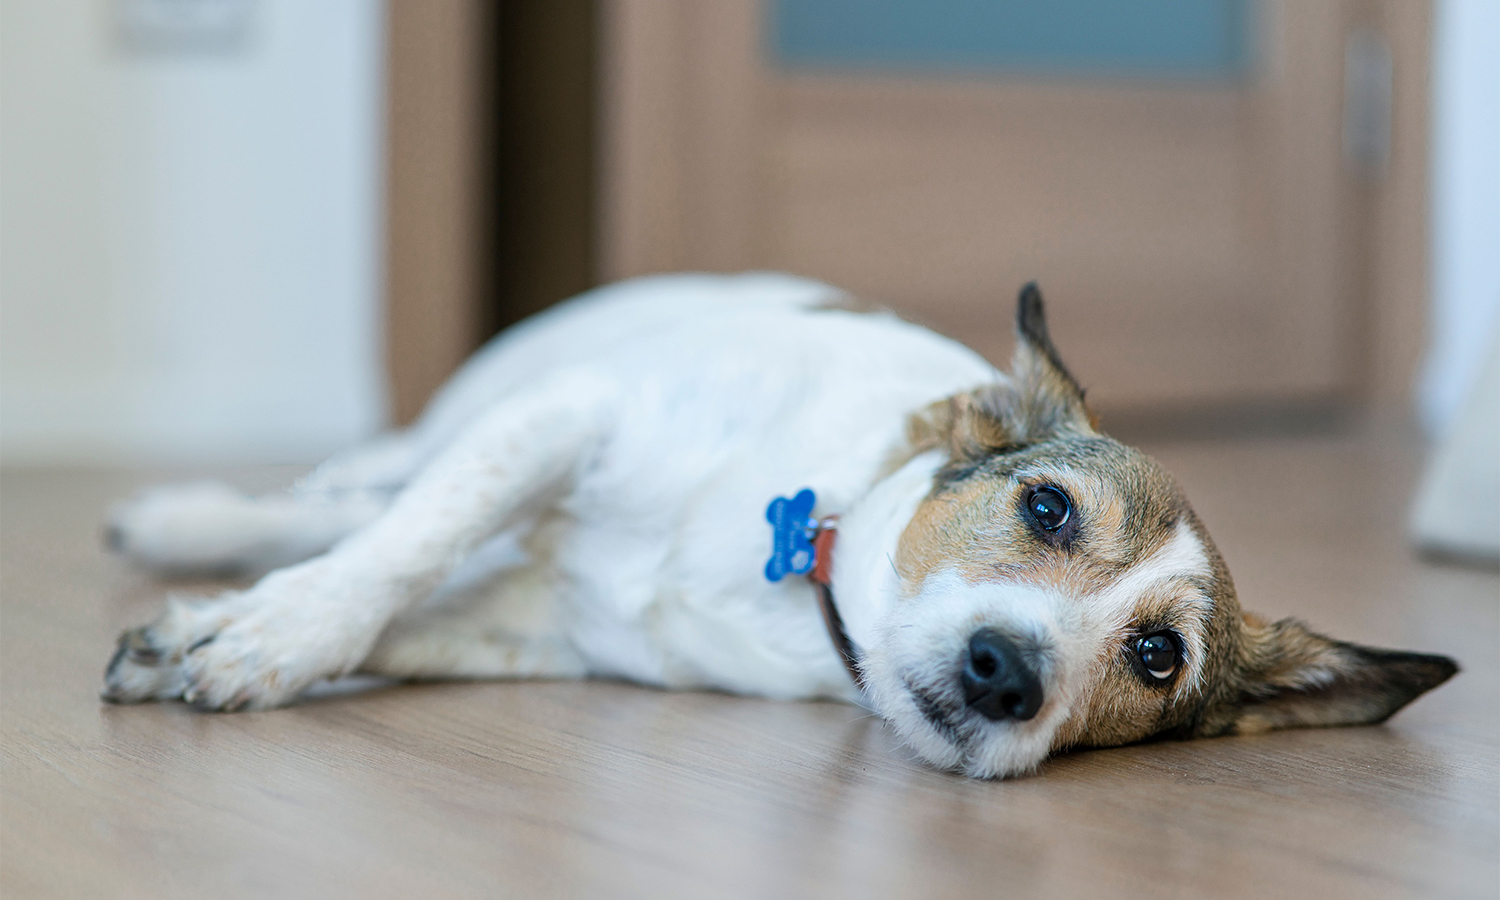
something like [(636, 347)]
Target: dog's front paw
[(251, 650), (148, 661), (259, 661)]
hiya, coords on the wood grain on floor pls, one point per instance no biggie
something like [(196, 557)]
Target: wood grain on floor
[(599, 789)]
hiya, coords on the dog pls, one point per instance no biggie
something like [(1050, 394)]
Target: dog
[(595, 493)]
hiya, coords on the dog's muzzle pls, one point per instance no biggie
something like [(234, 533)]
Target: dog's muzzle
[(998, 682)]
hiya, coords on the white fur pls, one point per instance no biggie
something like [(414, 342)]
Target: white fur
[(921, 644), (207, 526), (1179, 559), (638, 432), (865, 564)]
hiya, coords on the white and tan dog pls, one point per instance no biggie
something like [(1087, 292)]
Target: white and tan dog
[(587, 497)]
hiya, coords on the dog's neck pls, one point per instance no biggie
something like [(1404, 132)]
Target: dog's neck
[(864, 564)]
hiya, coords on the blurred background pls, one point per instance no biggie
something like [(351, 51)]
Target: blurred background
[(236, 233), (258, 230)]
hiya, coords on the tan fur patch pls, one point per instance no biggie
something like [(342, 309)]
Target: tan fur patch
[(1128, 511)]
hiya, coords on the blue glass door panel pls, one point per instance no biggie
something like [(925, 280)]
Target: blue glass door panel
[(1201, 39)]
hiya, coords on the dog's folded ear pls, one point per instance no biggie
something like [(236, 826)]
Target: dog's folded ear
[(1291, 677), (1040, 401)]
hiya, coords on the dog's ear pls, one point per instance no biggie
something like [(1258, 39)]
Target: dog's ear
[(1036, 364), (1040, 401), (1291, 677)]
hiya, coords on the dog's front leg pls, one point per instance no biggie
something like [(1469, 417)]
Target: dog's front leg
[(320, 619)]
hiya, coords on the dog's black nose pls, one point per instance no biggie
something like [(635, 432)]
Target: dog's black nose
[(997, 681)]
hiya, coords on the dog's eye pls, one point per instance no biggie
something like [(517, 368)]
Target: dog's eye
[(1050, 507), (1158, 653)]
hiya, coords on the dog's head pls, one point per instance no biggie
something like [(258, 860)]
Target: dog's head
[(1057, 590)]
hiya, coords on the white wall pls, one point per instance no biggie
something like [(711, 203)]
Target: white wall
[(1465, 234), (190, 239)]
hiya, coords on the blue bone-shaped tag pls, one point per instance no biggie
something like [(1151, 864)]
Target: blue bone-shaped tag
[(792, 530)]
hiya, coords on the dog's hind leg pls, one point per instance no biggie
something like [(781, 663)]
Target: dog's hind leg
[(211, 528), (322, 618), (384, 464)]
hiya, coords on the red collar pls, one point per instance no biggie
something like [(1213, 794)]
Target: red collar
[(822, 578)]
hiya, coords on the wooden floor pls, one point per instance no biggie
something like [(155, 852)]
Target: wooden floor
[(597, 789)]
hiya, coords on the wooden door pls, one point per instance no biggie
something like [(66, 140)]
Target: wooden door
[(1196, 233)]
